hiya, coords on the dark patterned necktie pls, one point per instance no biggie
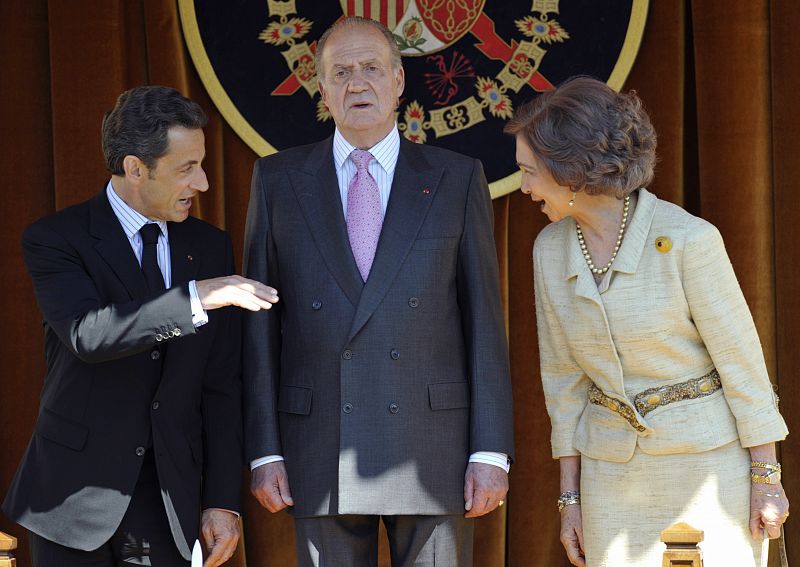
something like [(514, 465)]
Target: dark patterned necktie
[(152, 273), (363, 213)]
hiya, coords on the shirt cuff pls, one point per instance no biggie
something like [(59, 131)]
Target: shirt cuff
[(199, 315), (265, 460), (489, 458)]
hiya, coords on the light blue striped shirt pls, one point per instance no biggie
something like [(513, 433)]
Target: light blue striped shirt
[(381, 168), (132, 221)]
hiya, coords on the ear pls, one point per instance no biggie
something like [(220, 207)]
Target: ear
[(135, 169), (321, 88), (400, 79)]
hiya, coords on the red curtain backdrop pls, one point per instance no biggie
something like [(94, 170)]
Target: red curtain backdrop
[(719, 77)]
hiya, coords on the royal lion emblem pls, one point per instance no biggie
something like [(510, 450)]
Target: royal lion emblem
[(468, 64)]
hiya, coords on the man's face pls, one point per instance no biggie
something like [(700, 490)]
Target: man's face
[(360, 88), (167, 190)]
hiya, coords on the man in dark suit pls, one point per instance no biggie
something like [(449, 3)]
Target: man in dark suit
[(139, 427), (379, 389)]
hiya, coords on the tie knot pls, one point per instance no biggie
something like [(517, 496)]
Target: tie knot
[(361, 158), (150, 233)]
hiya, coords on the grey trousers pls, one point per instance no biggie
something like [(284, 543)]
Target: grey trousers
[(414, 541)]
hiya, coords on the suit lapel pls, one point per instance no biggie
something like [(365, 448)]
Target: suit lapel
[(317, 189), (183, 258), (405, 213), (113, 246)]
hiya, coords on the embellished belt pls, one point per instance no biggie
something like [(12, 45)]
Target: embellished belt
[(653, 398)]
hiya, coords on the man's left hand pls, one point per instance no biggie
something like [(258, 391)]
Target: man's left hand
[(221, 533), (485, 486)]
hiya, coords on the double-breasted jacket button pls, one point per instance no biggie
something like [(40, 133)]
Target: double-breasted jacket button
[(394, 353), (316, 305), (347, 408), (394, 407), (140, 451), (413, 302), (159, 337), (155, 354), (177, 332), (156, 404), (347, 354)]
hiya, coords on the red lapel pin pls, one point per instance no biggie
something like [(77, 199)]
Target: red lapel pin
[(426, 190), (189, 257)]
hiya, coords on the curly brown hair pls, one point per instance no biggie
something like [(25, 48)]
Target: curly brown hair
[(589, 137)]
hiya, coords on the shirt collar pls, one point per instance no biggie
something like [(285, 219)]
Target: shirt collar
[(385, 152), (130, 219)]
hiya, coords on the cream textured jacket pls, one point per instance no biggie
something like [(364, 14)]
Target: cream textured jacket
[(663, 315)]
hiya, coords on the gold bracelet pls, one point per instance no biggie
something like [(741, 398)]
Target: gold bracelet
[(772, 477), (763, 465), (569, 498)]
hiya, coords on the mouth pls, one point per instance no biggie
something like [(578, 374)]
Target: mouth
[(361, 105), (185, 202)]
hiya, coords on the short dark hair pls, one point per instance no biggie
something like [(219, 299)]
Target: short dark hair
[(353, 21), (140, 121), (589, 137)]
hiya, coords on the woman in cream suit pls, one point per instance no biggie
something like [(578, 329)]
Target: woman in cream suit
[(658, 395)]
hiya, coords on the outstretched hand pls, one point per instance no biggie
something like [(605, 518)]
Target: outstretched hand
[(235, 290)]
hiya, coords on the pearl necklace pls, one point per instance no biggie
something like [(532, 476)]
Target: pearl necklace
[(594, 269)]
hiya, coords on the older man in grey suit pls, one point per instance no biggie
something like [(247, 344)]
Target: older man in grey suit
[(379, 388)]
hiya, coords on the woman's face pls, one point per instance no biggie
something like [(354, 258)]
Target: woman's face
[(540, 185)]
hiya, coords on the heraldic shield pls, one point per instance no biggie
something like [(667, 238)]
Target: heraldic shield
[(468, 64)]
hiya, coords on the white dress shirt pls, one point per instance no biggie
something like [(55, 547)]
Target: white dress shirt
[(385, 154), (132, 221)]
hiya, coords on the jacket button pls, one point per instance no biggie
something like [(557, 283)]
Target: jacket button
[(347, 354), (394, 408), (159, 337), (413, 302), (316, 305), (176, 332), (394, 353), (155, 405), (155, 354), (347, 408), (140, 451)]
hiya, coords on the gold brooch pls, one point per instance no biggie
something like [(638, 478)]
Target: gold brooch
[(663, 244)]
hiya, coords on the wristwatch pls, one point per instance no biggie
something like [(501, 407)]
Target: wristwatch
[(771, 477)]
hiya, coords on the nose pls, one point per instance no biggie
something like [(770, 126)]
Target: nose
[(200, 182), (525, 189), (357, 82)]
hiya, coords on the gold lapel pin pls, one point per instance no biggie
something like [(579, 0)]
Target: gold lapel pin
[(663, 244)]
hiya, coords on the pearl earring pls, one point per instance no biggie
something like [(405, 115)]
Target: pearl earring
[(572, 201)]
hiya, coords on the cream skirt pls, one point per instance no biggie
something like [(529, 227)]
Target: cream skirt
[(626, 505)]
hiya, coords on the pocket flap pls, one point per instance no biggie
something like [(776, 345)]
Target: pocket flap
[(61, 430), (295, 399), (449, 395)]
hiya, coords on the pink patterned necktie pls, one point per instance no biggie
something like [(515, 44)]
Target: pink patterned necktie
[(363, 213)]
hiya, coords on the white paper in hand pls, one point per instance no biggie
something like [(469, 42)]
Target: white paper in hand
[(197, 554)]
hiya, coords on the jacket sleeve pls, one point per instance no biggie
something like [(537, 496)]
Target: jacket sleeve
[(71, 305), (565, 385), (478, 281), (262, 330), (222, 409), (726, 326)]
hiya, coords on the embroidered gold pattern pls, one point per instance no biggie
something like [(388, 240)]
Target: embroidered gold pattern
[(596, 396), (652, 398)]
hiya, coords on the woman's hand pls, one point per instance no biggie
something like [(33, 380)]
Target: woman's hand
[(769, 509), (572, 534)]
